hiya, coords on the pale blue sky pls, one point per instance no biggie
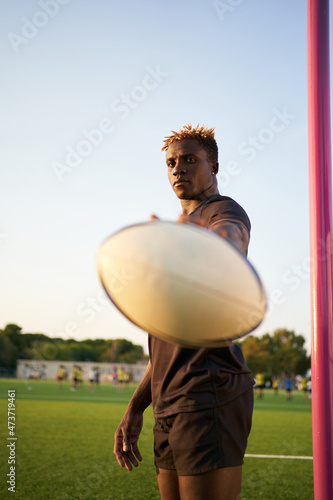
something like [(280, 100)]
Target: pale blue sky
[(138, 70)]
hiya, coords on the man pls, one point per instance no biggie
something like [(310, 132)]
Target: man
[(202, 398), (260, 385)]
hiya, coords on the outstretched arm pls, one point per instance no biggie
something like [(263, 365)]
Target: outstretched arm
[(127, 434), (231, 229)]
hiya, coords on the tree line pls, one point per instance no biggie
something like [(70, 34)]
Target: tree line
[(281, 352), (16, 345)]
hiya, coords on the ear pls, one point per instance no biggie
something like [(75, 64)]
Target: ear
[(215, 167)]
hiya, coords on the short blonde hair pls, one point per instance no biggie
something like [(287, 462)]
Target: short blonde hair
[(205, 136)]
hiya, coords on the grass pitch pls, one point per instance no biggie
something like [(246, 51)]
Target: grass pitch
[(65, 439)]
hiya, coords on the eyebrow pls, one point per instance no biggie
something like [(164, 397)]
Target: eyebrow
[(183, 155)]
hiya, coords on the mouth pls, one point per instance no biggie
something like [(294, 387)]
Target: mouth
[(179, 183)]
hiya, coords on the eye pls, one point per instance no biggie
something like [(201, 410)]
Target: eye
[(190, 159), (170, 163)]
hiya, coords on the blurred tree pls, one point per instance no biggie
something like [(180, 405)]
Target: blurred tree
[(290, 352), (122, 351), (256, 356), (8, 352), (13, 333), (274, 354)]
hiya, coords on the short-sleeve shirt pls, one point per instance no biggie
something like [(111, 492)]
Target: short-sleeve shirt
[(184, 380)]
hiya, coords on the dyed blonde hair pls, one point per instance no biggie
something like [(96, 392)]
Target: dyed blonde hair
[(205, 136)]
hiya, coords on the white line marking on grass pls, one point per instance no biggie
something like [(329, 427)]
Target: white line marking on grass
[(279, 456), (78, 398), (268, 405)]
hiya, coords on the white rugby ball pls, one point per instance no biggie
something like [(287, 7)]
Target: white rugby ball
[(181, 283)]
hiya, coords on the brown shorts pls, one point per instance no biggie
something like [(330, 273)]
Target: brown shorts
[(196, 442)]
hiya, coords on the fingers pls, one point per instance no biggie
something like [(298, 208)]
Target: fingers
[(117, 450), (128, 458), (126, 453), (124, 460), (137, 453), (194, 219), (184, 219), (119, 457)]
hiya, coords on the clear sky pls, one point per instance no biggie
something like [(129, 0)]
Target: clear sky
[(89, 90)]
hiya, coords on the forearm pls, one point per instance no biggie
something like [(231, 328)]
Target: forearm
[(141, 398), (231, 229)]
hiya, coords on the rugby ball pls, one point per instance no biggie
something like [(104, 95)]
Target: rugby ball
[(181, 283)]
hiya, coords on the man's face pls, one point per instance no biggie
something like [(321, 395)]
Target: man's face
[(189, 171)]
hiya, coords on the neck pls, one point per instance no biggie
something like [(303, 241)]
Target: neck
[(188, 206)]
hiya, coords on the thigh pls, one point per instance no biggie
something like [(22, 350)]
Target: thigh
[(168, 484), (219, 484)]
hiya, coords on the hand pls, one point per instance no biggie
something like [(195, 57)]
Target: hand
[(233, 231), (184, 219), (191, 219), (126, 440)]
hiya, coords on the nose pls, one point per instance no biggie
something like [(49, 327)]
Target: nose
[(179, 168)]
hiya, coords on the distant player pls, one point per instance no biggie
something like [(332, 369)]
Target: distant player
[(260, 385), (304, 388), (289, 388), (275, 385), (60, 376), (74, 378), (91, 378)]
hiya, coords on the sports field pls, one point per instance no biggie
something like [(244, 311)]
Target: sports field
[(64, 445)]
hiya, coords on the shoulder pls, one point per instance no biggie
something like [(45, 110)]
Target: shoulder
[(218, 207)]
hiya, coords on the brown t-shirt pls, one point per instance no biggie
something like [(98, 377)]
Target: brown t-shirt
[(185, 380)]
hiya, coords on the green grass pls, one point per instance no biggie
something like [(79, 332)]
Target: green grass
[(280, 427), (64, 446)]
